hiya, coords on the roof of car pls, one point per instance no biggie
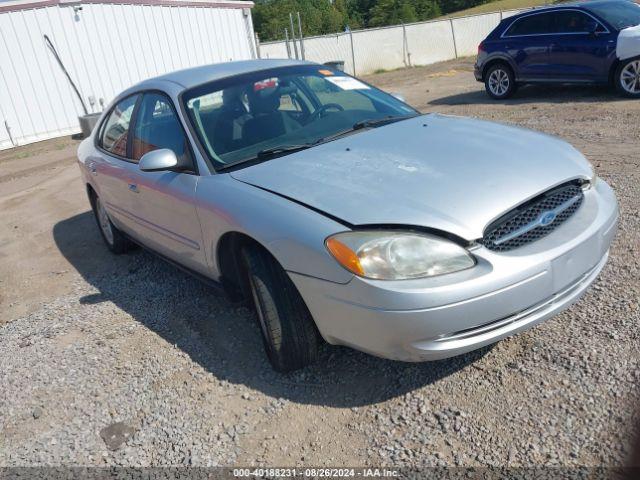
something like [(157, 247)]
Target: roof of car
[(191, 77), (569, 4)]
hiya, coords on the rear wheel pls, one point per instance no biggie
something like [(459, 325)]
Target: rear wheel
[(628, 77), (115, 240), (288, 330), (500, 82)]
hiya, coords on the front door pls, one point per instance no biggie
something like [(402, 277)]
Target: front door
[(580, 48), (165, 201)]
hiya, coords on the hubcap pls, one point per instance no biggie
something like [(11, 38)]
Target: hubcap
[(630, 77), (499, 82), (105, 223)]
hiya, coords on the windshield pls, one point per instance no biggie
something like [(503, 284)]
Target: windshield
[(618, 14), (282, 110)]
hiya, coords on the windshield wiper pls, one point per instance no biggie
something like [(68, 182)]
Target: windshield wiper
[(377, 122), (362, 124), (270, 152)]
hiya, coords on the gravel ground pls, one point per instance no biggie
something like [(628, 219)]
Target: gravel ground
[(127, 361)]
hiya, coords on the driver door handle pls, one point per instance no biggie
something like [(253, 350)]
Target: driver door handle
[(134, 188)]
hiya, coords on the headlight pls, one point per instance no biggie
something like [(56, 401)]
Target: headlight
[(388, 255)]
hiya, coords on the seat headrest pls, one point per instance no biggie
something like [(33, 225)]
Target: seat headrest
[(264, 101)]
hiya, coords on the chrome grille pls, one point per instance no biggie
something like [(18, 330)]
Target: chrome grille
[(533, 220)]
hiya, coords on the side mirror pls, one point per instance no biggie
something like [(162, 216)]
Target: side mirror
[(158, 160), (399, 96)]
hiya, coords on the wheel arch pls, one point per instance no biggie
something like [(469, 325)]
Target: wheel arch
[(613, 69), (227, 258), (617, 63), (497, 60), (91, 193)]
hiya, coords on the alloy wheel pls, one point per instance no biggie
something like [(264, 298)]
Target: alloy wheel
[(630, 77), (499, 82)]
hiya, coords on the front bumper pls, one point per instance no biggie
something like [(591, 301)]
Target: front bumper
[(505, 293)]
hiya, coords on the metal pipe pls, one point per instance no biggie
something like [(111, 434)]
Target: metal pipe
[(353, 53), (64, 70), (286, 40), (293, 35), (453, 35), (257, 42), (301, 37)]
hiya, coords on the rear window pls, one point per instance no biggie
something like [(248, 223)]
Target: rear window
[(538, 24), (115, 133)]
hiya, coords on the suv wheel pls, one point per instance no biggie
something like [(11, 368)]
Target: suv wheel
[(500, 82), (628, 77), (288, 330), (115, 240)]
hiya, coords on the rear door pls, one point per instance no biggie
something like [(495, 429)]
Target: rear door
[(580, 48), (527, 42), (164, 202), (112, 165)]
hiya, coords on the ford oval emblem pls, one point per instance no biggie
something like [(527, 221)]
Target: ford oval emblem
[(546, 218)]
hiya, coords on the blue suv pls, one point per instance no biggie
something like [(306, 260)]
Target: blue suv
[(594, 42)]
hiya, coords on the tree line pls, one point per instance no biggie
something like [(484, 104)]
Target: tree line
[(320, 17)]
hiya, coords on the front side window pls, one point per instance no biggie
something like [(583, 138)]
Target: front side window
[(115, 132), (539, 24), (157, 126), (572, 21), (239, 118)]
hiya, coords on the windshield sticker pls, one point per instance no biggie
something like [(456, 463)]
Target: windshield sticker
[(348, 83), (326, 73)]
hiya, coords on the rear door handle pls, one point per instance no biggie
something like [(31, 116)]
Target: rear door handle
[(134, 188)]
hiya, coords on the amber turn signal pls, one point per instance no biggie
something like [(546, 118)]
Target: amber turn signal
[(345, 256)]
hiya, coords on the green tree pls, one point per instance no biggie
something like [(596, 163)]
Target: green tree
[(271, 17), (319, 17), (392, 12)]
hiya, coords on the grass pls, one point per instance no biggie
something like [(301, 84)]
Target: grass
[(500, 5)]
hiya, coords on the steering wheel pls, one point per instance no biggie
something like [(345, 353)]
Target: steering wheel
[(318, 113)]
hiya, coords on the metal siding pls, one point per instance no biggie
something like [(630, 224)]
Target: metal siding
[(105, 48)]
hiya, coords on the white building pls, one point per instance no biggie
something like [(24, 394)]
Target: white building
[(105, 46)]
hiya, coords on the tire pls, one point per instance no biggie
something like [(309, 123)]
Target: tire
[(289, 333), (114, 239), (627, 77), (500, 82)]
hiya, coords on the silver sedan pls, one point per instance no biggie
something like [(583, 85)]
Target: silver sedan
[(343, 214)]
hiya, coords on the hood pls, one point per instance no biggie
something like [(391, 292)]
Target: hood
[(447, 173), (628, 45)]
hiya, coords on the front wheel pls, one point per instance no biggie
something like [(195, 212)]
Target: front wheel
[(628, 77), (500, 82), (288, 330)]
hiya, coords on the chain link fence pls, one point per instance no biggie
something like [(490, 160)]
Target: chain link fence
[(387, 48)]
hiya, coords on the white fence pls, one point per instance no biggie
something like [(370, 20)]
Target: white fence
[(105, 47), (365, 51)]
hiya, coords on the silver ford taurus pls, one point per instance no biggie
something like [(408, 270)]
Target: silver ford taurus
[(343, 214)]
